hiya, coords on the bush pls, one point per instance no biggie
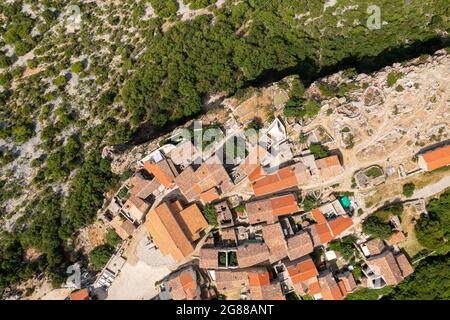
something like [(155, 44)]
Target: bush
[(112, 238), (210, 214), (318, 151), (77, 67), (100, 256), (310, 202), (408, 189), (393, 77)]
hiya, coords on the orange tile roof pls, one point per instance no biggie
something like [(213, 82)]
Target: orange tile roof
[(346, 283), (329, 167), (281, 180), (395, 238), (268, 209), (314, 288), (302, 271), (164, 171), (209, 196), (329, 288), (284, 205), (258, 278), (324, 232), (192, 222), (339, 225), (261, 288), (82, 294), (167, 233), (318, 216), (209, 258), (251, 165), (437, 158), (183, 286)]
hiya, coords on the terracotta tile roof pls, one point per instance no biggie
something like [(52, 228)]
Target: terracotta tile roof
[(281, 180), (385, 265), (251, 166), (329, 287), (82, 294), (262, 289), (405, 266), (211, 174), (167, 233), (395, 238), (299, 245), (346, 282), (339, 225), (329, 167), (267, 210), (183, 286), (230, 280), (186, 181), (437, 158), (136, 207), (324, 232), (228, 235), (318, 216), (375, 246), (274, 238), (192, 222), (164, 171), (302, 270), (209, 196), (184, 153), (250, 254), (148, 189), (209, 258)]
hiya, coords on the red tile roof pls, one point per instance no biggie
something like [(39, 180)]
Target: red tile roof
[(302, 270), (164, 171), (281, 180), (329, 288), (437, 158), (261, 288), (82, 294), (267, 210), (274, 238), (250, 254), (339, 225), (299, 245)]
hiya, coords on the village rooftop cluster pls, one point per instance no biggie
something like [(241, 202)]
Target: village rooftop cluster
[(239, 229)]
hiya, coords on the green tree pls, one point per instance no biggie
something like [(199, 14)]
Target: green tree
[(112, 238), (408, 189), (375, 227), (210, 214), (318, 150), (100, 256)]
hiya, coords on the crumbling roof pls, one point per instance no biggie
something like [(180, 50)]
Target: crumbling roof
[(250, 254), (230, 280), (184, 153), (274, 238), (209, 258), (123, 228), (437, 158), (299, 245)]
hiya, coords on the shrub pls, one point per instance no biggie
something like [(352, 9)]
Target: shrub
[(318, 150), (100, 256), (112, 238), (375, 227), (210, 214), (408, 189)]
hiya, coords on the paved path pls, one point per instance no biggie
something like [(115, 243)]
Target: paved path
[(433, 189)]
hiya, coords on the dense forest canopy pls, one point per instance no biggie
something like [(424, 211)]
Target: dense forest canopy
[(248, 40)]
